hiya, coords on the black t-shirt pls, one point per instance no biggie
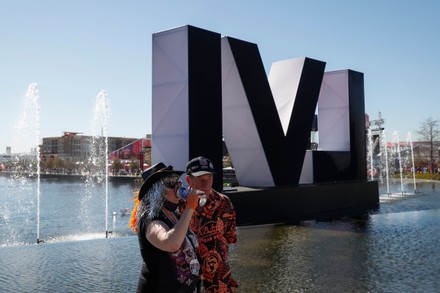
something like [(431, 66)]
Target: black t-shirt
[(165, 271)]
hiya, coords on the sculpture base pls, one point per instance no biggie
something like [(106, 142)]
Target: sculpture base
[(304, 202)]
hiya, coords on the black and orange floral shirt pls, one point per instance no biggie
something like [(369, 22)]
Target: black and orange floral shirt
[(215, 227)]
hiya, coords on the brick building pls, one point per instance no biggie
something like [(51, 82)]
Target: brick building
[(72, 146)]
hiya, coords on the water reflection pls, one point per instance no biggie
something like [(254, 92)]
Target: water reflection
[(317, 257), (381, 253)]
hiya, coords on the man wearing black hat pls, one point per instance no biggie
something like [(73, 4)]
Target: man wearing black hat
[(215, 227)]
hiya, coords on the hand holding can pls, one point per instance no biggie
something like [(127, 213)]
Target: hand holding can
[(183, 193)]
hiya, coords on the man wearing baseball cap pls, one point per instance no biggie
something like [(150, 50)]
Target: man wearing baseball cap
[(215, 227)]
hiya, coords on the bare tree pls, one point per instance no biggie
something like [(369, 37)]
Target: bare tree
[(429, 131)]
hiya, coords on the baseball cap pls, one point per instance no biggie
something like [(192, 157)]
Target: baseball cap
[(200, 166)]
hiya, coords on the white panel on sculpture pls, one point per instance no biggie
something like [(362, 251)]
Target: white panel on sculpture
[(170, 98), (307, 169), (239, 129), (333, 112), (284, 77)]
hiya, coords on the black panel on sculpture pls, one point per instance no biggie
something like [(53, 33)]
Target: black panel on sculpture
[(303, 114), (331, 166), (261, 102), (357, 124), (205, 104)]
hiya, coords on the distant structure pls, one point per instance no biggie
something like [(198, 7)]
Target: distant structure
[(376, 127), (72, 146), (4, 158), (139, 149)]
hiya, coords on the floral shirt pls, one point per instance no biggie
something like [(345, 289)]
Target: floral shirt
[(215, 227)]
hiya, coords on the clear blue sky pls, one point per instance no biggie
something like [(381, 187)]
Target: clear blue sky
[(75, 49)]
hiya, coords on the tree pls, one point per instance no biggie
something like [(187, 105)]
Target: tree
[(117, 164), (429, 131)]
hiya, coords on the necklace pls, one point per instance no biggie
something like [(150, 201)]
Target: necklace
[(190, 236), (191, 242), (170, 216), (173, 219)]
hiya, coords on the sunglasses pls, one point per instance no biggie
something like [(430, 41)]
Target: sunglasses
[(172, 183)]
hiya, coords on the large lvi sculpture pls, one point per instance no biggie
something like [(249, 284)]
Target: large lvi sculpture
[(207, 88)]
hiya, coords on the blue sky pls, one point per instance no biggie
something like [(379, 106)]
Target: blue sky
[(75, 49)]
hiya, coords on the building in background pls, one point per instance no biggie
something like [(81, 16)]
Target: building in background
[(135, 155), (72, 146)]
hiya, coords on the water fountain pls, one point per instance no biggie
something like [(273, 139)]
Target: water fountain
[(34, 98), (28, 134), (413, 169), (19, 196), (394, 157), (99, 147), (384, 152), (398, 153), (370, 151), (69, 210)]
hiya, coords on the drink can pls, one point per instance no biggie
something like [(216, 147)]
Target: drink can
[(183, 193)]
